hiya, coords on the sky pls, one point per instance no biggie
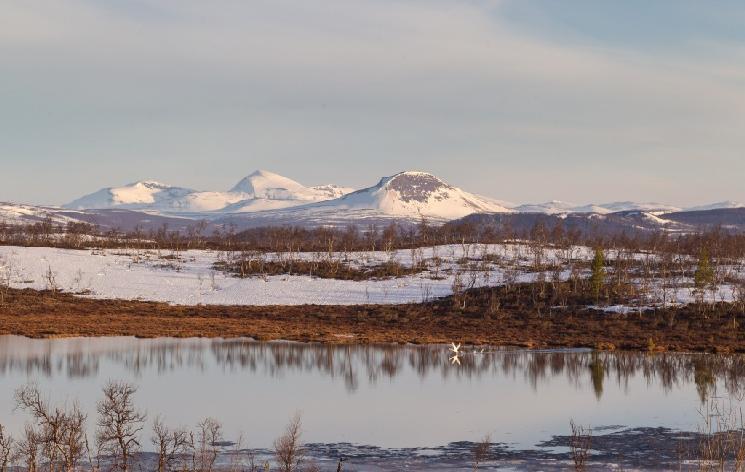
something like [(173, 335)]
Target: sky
[(519, 100)]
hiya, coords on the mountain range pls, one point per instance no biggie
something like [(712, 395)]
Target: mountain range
[(406, 194), (262, 190), (264, 198)]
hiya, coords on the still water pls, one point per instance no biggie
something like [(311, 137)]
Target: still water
[(386, 396)]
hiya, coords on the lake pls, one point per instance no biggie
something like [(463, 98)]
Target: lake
[(391, 397)]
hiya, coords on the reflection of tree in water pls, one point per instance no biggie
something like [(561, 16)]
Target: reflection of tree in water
[(597, 373), (351, 363), (704, 378)]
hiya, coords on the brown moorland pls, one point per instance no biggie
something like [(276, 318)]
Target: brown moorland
[(496, 316)]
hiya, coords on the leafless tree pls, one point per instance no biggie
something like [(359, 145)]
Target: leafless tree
[(119, 423), (6, 274), (739, 289), (61, 430), (481, 452), (667, 281), (205, 445), (28, 448), (170, 444), (288, 450), (425, 289), (579, 445), (50, 277), (241, 461), (458, 289), (6, 448)]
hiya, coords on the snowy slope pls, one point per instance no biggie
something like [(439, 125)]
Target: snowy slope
[(146, 194), (265, 190), (16, 213), (717, 206), (141, 275), (411, 195), (552, 207), (638, 206), (556, 207), (259, 191)]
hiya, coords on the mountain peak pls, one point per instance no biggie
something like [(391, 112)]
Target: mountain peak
[(414, 186), (136, 195), (263, 173), (263, 184), (413, 194), (149, 183)]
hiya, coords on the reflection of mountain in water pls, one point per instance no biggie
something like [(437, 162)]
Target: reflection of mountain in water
[(76, 358)]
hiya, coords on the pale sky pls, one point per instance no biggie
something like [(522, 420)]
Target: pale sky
[(520, 100)]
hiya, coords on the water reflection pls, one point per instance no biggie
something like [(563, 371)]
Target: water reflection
[(82, 358)]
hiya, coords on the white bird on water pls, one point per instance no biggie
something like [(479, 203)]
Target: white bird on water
[(456, 352)]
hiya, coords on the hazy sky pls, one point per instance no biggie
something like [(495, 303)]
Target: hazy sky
[(521, 100)]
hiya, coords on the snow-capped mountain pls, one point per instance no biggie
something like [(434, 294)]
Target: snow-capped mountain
[(638, 206), (265, 190), (717, 206), (267, 199), (411, 195), (154, 196), (138, 193), (552, 207), (259, 191), (557, 207)]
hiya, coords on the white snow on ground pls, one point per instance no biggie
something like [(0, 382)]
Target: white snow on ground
[(152, 276), (17, 213), (117, 274)]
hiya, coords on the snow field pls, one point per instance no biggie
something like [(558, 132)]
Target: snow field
[(155, 276)]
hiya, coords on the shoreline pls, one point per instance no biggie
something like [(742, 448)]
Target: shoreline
[(44, 314)]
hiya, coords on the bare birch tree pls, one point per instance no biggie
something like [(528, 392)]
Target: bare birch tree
[(288, 450), (170, 444), (119, 423)]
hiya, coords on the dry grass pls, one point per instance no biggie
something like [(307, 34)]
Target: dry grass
[(324, 268), (47, 314)]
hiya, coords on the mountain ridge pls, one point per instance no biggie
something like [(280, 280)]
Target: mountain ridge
[(260, 190), (269, 198)]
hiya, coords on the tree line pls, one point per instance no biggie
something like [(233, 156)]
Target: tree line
[(395, 235)]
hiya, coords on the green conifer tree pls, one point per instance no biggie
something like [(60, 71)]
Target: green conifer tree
[(597, 280)]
